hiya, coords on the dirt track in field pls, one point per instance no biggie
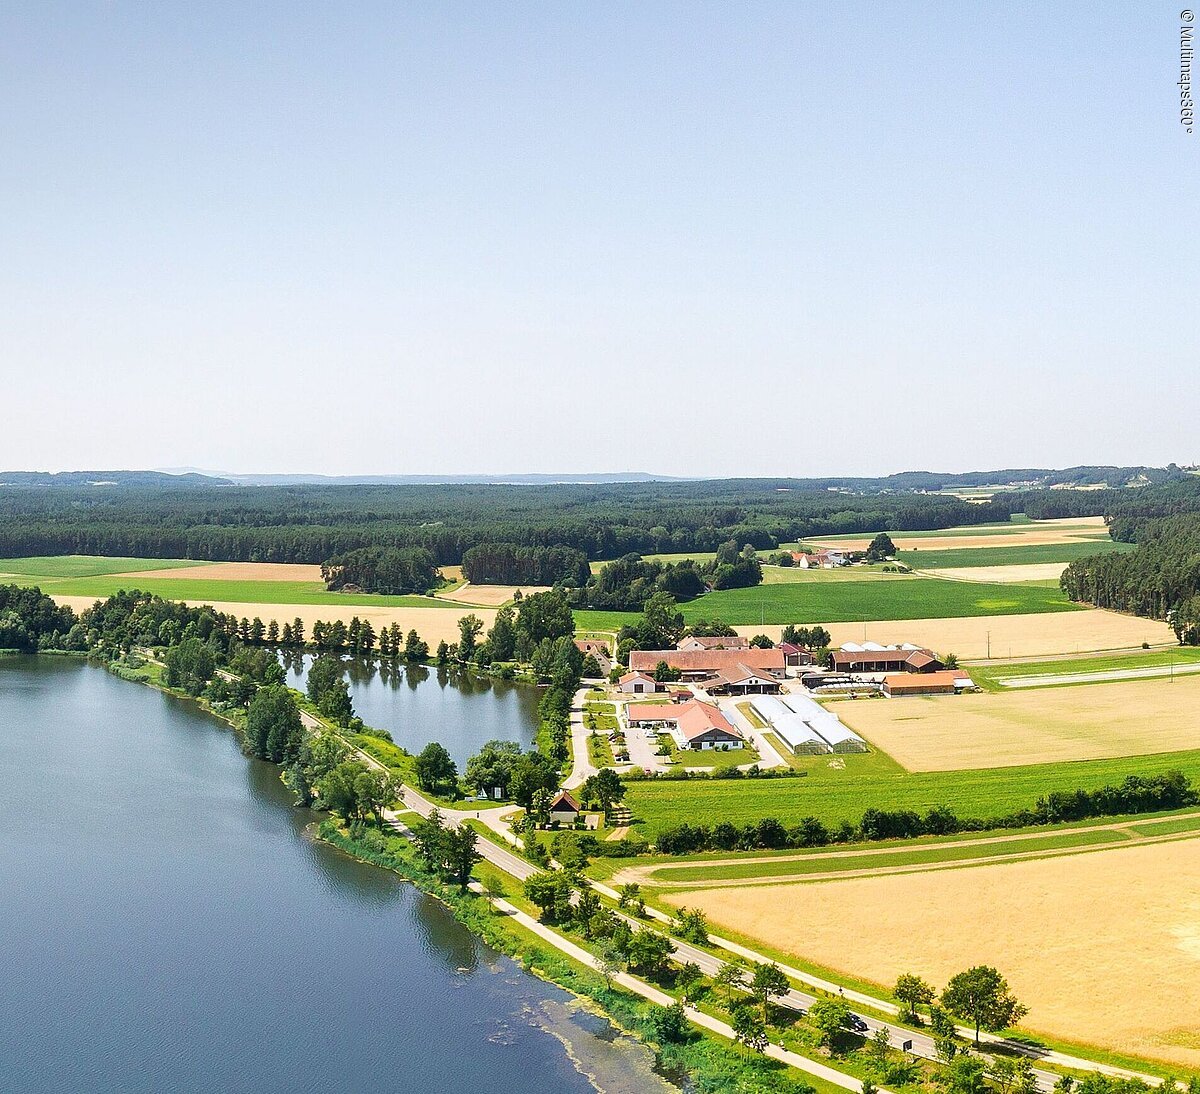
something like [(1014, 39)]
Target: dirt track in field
[(1104, 947), (491, 596)]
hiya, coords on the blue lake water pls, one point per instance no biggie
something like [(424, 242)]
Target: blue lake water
[(167, 926)]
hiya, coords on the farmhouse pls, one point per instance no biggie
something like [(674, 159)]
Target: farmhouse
[(949, 682), (637, 683), (734, 671), (597, 649), (820, 560), (713, 642), (694, 725), (794, 656), (806, 727), (564, 809), (872, 657)]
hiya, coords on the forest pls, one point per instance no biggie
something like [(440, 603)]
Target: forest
[(1161, 577), (209, 520), (516, 564)]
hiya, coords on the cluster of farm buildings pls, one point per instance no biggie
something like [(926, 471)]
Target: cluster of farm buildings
[(712, 669)]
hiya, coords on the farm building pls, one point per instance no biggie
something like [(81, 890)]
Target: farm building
[(741, 680), (597, 649), (949, 682), (806, 727), (715, 642), (564, 809), (794, 656), (694, 725), (637, 683), (698, 666), (872, 657)]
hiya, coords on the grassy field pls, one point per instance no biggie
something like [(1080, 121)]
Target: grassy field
[(1015, 728), (1063, 930), (835, 794), (848, 601), (1008, 556), (237, 592), (54, 567)]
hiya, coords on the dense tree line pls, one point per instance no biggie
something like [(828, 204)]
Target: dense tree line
[(1160, 578), (1134, 795), (388, 570), (30, 620), (315, 523), (517, 564)]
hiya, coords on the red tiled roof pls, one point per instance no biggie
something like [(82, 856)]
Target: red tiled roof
[(563, 797), (718, 642), (708, 660)]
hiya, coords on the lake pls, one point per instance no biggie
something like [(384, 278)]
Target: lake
[(417, 704), (168, 926)]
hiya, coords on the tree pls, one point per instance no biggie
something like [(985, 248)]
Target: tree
[(881, 547), (730, 976), (665, 674), (491, 767), (435, 770), (748, 1029), (688, 977), (913, 992), (374, 791), (460, 854), (963, 1075), (530, 773), (274, 731), (1013, 1075), (591, 668), (335, 703), (649, 952), (761, 642), (427, 838), (670, 1024), (608, 963), (981, 996), (830, 1018), (415, 647), (322, 675), (469, 628), (339, 790), (189, 665), (551, 892), (766, 981), (691, 924)]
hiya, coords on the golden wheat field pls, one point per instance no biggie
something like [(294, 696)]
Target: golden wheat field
[(1104, 948), (1034, 726)]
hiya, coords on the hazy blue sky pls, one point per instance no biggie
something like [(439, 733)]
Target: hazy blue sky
[(743, 238)]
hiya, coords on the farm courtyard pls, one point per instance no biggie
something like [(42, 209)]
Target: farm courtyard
[(1103, 947)]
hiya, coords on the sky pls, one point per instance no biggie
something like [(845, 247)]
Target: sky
[(695, 239)]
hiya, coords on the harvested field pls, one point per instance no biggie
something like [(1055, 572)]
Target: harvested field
[(491, 596), (1041, 635), (1045, 725), (1104, 947), (432, 624), (1037, 533), (235, 571), (1044, 571)]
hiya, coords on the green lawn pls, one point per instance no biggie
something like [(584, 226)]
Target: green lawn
[(852, 601), (835, 795), (50, 567), (1008, 556), (238, 592)]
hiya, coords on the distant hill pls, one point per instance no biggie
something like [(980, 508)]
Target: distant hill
[(108, 478), (449, 480)]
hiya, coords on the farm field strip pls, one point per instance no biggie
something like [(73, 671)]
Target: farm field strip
[(1030, 726), (836, 795), (1015, 555), (1104, 676), (57, 567), (1104, 946), (944, 857)]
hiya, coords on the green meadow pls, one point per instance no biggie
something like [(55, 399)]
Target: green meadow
[(50, 567), (1008, 556), (841, 794)]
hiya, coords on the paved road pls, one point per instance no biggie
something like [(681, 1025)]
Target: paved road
[(581, 763), (1100, 676)]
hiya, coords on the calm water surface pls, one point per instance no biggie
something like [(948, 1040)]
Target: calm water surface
[(418, 705), (166, 926)]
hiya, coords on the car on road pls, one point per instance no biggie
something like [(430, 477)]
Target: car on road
[(856, 1024)]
